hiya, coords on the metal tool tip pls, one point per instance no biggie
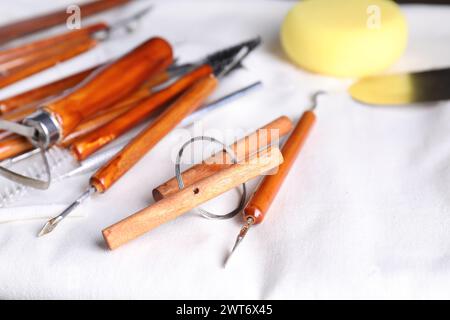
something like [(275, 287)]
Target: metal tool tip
[(315, 97), (240, 237), (49, 226)]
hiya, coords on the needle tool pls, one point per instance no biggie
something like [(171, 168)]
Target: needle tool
[(259, 204)]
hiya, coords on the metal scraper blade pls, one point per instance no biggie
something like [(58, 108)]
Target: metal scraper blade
[(405, 88)]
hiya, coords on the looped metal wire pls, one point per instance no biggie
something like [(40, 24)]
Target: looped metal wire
[(179, 178)]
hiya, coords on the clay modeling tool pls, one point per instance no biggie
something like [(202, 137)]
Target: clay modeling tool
[(126, 114), (35, 24), (93, 162), (404, 88), (259, 204), (90, 143), (22, 62), (26, 102), (190, 197), (187, 103), (54, 121), (243, 148)]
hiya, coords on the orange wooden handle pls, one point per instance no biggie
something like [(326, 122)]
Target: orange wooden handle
[(148, 138), (87, 145), (188, 198), (101, 119), (36, 95), (42, 62), (111, 84), (24, 27), (266, 192), (36, 47), (14, 145), (242, 148)]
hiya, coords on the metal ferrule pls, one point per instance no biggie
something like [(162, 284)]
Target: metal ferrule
[(48, 130)]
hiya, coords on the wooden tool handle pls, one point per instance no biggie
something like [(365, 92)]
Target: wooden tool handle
[(265, 194), (14, 145), (148, 138), (36, 95), (111, 84), (190, 197), (87, 145), (103, 117), (98, 121), (45, 62), (28, 26), (242, 148), (50, 42)]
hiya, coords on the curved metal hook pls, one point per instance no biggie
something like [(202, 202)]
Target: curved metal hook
[(28, 181), (314, 99)]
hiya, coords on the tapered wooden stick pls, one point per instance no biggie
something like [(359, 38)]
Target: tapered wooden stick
[(242, 149), (190, 197)]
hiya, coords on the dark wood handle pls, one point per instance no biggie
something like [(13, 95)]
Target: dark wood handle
[(40, 62), (242, 148), (34, 96), (266, 192), (148, 138), (111, 84), (39, 45), (87, 145), (28, 26)]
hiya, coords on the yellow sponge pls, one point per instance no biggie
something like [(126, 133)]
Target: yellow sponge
[(347, 38)]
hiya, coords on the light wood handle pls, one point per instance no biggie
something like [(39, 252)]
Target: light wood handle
[(242, 148), (40, 62), (111, 84), (87, 145), (36, 95), (190, 197), (266, 192), (195, 96), (28, 26)]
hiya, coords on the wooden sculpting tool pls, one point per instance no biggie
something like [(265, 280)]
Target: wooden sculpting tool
[(25, 27), (101, 157), (186, 104), (242, 148), (54, 121), (124, 115), (190, 197), (259, 203), (15, 145), (21, 62)]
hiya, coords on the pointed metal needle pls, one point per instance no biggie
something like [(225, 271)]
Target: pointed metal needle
[(53, 223), (239, 238)]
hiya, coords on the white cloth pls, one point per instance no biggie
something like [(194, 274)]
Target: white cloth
[(364, 213)]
